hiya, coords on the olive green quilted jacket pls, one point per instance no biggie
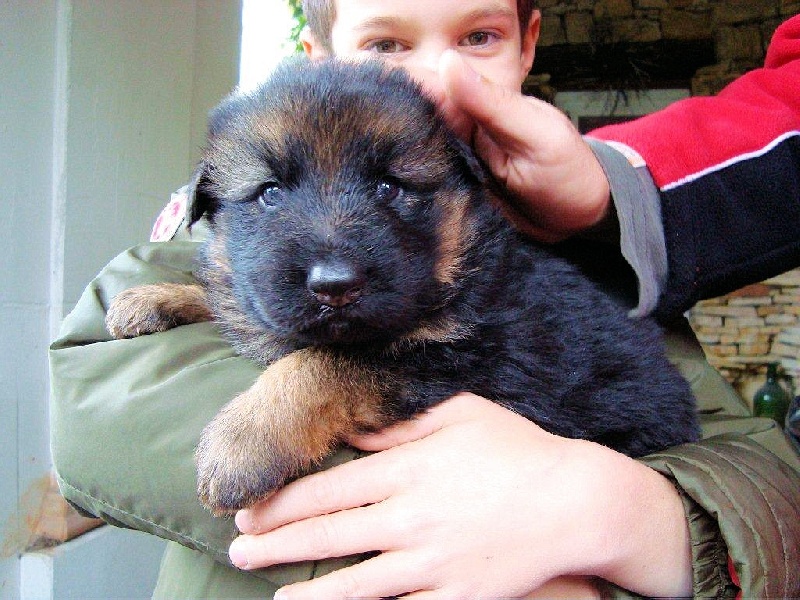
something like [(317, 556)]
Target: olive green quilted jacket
[(127, 414)]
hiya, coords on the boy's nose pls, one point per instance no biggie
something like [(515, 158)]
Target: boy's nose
[(423, 63)]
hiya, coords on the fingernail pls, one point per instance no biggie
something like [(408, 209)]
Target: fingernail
[(244, 521), (238, 556)]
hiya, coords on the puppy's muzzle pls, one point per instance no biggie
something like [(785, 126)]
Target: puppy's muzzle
[(335, 284)]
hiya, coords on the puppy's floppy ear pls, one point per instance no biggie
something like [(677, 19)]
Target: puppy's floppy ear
[(201, 200), (220, 118)]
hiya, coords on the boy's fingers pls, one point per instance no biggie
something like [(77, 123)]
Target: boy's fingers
[(493, 107), (356, 483), (342, 533), (389, 574), (447, 413), (402, 433), (522, 125), (533, 149)]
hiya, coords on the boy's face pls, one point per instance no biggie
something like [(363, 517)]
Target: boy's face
[(414, 34)]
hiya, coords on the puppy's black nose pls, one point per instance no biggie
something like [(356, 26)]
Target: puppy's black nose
[(335, 284)]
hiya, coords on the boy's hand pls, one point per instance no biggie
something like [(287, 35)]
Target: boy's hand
[(558, 186), (503, 508)]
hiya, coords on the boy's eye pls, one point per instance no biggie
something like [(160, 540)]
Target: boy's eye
[(478, 38), (386, 46)]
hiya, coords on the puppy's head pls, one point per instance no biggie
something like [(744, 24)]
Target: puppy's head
[(340, 201)]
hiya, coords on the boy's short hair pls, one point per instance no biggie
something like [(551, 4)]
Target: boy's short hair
[(320, 15)]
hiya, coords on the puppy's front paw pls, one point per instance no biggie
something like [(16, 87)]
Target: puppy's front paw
[(290, 419), (238, 462), (152, 308)]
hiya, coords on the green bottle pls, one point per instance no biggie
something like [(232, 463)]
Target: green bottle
[(771, 399)]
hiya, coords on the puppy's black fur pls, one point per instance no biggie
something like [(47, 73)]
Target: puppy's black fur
[(357, 251)]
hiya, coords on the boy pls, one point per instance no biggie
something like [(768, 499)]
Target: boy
[(548, 507)]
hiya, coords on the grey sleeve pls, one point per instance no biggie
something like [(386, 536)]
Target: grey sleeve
[(637, 206)]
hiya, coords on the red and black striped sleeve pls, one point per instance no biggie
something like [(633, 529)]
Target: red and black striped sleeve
[(727, 172)]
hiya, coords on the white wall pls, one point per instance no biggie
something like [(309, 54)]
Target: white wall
[(102, 114), (142, 76), (104, 564), (27, 62)]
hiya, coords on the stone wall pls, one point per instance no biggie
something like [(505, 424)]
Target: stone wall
[(747, 329), (740, 29)]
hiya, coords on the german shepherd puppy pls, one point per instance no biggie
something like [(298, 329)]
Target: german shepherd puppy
[(357, 252)]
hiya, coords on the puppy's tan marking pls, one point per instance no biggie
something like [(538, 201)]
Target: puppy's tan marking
[(292, 417), (157, 307), (443, 331), (453, 231)]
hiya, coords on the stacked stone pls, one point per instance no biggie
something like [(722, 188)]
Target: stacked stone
[(756, 325), (787, 349)]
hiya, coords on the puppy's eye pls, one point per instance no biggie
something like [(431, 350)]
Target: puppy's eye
[(388, 191), (270, 196)]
